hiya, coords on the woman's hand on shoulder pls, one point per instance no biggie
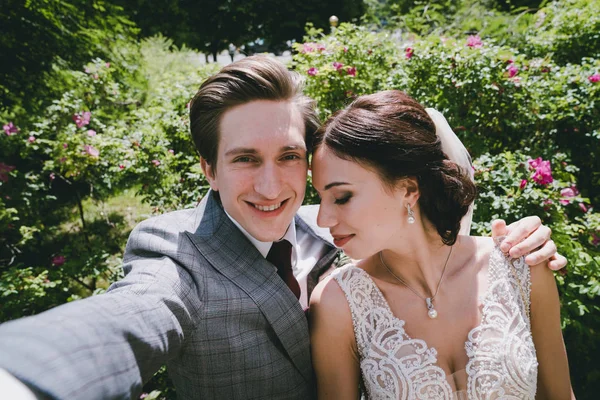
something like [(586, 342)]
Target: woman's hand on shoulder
[(333, 346)]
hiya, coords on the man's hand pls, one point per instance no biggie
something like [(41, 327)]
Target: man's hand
[(528, 235)]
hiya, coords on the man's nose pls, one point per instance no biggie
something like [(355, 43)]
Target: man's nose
[(268, 181)]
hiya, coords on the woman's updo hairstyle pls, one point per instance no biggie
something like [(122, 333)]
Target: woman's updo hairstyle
[(393, 134)]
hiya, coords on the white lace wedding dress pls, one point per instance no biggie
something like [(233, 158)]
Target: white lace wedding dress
[(502, 361)]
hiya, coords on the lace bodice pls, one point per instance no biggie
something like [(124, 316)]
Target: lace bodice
[(502, 361)]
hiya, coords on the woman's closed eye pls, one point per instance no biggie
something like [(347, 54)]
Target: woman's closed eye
[(344, 199)]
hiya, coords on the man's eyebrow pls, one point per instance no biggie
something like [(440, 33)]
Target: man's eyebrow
[(241, 150), (293, 147), (334, 184)]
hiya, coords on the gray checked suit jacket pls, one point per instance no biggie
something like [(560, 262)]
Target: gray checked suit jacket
[(197, 296)]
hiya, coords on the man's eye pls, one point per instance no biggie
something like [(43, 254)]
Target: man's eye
[(344, 199), (243, 159), (290, 157)]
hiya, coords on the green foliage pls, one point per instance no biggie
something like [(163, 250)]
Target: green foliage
[(349, 62), (119, 124), (498, 99), (567, 30), (38, 33), (506, 191)]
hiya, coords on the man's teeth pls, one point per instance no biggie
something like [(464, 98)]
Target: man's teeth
[(268, 208)]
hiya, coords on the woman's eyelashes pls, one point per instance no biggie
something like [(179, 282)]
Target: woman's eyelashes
[(344, 199)]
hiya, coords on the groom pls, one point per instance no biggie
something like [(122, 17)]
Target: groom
[(217, 292)]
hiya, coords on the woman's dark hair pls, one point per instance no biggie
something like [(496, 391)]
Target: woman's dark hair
[(393, 134)]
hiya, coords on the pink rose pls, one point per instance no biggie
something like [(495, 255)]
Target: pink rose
[(568, 193), (65, 145), (320, 47), (594, 78), (408, 52), (512, 70), (171, 151), (121, 166), (583, 207), (345, 49), (107, 65), (534, 163), (338, 65), (474, 41), (4, 170), (312, 71), (523, 184), (31, 139), (82, 118), (91, 132), (10, 129), (52, 176), (156, 163), (308, 47), (542, 171), (91, 151), (57, 261), (351, 71)]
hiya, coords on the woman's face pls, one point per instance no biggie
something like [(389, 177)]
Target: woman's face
[(362, 216)]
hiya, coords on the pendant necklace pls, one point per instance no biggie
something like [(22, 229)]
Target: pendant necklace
[(431, 311)]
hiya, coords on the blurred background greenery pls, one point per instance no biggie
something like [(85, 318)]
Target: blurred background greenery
[(94, 97)]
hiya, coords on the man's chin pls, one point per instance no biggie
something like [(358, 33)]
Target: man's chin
[(269, 234)]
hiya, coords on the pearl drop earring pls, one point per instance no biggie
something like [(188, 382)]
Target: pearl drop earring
[(411, 215)]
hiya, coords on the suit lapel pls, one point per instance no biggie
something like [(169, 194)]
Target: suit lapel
[(230, 252), (306, 220)]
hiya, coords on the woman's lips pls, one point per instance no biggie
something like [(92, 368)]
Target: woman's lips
[(340, 241)]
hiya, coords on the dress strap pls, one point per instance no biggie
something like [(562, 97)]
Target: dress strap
[(369, 308)]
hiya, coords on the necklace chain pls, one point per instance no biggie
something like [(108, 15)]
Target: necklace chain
[(428, 300)]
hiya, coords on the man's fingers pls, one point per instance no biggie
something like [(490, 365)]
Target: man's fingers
[(520, 230), (546, 252), (499, 228), (557, 262), (537, 238)]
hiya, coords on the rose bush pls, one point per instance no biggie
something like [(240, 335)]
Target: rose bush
[(120, 124)]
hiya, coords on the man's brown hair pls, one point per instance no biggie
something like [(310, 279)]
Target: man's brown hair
[(249, 79)]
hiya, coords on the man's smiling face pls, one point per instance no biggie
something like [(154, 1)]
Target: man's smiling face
[(261, 166)]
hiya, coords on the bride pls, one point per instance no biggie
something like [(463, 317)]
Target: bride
[(427, 313)]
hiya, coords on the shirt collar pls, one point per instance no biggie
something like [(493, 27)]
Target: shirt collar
[(264, 247)]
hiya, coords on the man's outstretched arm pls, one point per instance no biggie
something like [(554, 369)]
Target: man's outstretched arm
[(107, 346), (529, 237)]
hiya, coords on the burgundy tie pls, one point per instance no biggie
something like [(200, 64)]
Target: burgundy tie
[(280, 255)]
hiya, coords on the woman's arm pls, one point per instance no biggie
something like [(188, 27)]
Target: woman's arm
[(333, 345), (553, 372)]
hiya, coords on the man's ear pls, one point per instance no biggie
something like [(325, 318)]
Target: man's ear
[(210, 173)]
